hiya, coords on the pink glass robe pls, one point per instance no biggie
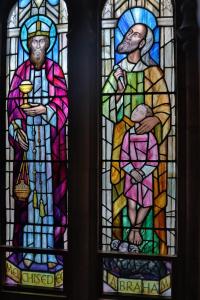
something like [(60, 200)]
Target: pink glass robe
[(139, 152), (59, 103)]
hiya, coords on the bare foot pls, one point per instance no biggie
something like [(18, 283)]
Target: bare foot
[(28, 262), (137, 237), (51, 265), (131, 236)]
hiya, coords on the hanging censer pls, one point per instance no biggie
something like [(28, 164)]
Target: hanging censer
[(22, 187)]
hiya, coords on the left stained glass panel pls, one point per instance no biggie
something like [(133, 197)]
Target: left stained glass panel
[(36, 141)]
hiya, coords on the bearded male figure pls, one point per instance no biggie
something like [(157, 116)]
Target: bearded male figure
[(39, 133), (136, 80)]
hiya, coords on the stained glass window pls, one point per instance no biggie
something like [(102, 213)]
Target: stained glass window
[(36, 142), (138, 146)]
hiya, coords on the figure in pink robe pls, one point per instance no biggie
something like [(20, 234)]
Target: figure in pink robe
[(139, 158), (141, 152)]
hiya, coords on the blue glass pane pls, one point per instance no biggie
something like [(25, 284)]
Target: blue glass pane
[(50, 55), (23, 3), (56, 51), (154, 52), (53, 2), (24, 34), (53, 31), (157, 35), (125, 22), (30, 21), (143, 16), (45, 20)]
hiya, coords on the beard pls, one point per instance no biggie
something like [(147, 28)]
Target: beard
[(37, 58), (127, 46)]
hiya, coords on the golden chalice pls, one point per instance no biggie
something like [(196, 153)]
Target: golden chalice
[(25, 87)]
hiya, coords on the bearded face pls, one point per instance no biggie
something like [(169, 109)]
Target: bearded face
[(134, 39), (38, 46)]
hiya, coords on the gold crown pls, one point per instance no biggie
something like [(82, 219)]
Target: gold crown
[(38, 31)]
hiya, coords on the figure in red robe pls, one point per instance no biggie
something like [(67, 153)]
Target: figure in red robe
[(38, 134)]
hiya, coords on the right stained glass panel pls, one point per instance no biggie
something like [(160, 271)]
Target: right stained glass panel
[(138, 141)]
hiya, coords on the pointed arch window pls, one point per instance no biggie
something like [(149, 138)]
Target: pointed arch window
[(138, 147), (149, 260), (36, 143)]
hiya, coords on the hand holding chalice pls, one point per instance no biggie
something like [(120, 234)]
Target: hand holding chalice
[(33, 109), (25, 87)]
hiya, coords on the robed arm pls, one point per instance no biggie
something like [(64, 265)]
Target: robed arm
[(112, 100), (125, 159), (57, 108), (155, 83), (16, 116)]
